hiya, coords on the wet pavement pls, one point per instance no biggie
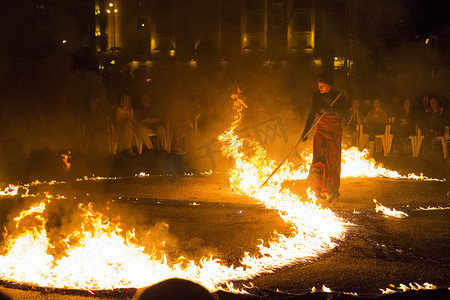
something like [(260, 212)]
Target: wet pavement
[(203, 215)]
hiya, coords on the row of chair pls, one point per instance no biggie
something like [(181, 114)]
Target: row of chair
[(383, 142)]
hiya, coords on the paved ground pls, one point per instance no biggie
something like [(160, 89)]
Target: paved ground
[(377, 252)]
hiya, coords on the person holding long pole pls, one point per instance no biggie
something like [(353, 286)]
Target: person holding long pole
[(331, 107)]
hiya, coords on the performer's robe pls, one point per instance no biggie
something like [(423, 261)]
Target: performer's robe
[(325, 171)]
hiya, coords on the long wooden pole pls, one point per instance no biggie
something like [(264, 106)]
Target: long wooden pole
[(299, 141)]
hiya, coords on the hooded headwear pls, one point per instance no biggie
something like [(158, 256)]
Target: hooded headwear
[(326, 77)]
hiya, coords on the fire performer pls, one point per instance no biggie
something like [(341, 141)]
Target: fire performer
[(329, 107)]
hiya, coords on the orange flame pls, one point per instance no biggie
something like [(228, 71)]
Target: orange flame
[(388, 212), (99, 254)]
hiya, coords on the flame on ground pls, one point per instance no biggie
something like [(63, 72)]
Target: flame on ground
[(389, 212), (100, 255), (403, 288)]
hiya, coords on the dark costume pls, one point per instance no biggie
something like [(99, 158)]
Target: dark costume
[(325, 171)]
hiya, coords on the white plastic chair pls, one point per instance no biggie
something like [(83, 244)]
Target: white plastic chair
[(445, 140)]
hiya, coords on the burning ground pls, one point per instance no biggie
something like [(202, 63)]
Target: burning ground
[(275, 240), (377, 252)]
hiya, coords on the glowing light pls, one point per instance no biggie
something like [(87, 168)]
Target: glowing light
[(64, 41), (192, 64)]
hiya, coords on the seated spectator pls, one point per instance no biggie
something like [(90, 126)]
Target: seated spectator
[(376, 120), (64, 124), (180, 117), (422, 110), (354, 118), (426, 103), (148, 120), (404, 126), (436, 120), (126, 125), (95, 126), (366, 106)]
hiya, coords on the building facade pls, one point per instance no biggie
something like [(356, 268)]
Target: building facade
[(149, 30)]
